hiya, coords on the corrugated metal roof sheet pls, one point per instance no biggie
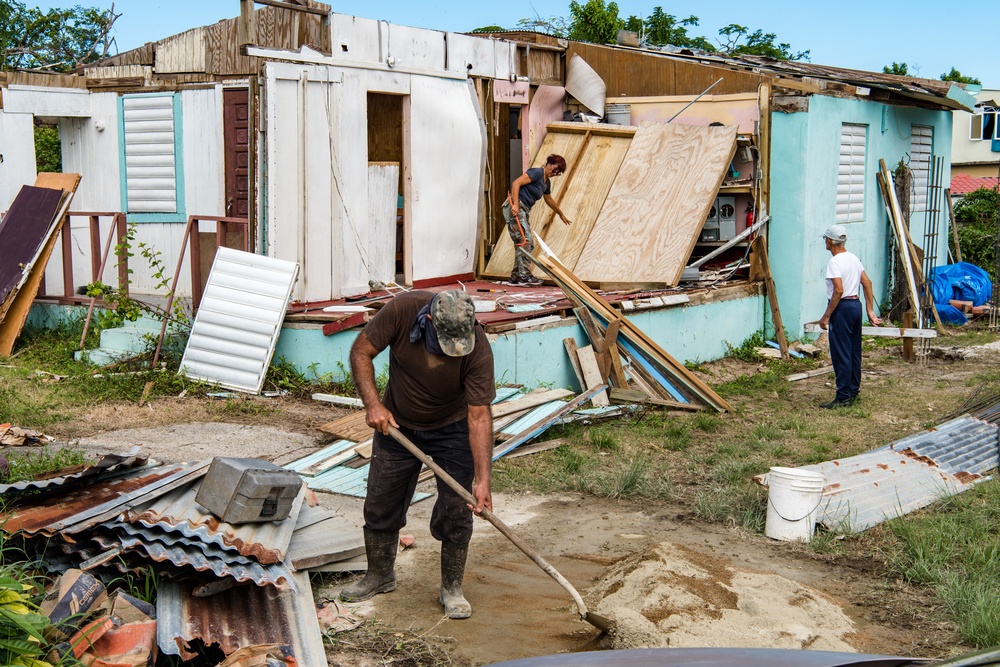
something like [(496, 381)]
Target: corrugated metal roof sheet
[(276, 574), (98, 502), (316, 457), (108, 466), (177, 511), (963, 446), (244, 616)]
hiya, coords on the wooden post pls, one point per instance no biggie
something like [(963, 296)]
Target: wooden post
[(951, 223), (246, 26), (772, 297), (908, 353)]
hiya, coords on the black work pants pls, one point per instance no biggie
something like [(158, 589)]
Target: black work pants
[(392, 480), (845, 347)]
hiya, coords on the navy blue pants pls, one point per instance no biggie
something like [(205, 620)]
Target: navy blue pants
[(392, 480), (845, 347)]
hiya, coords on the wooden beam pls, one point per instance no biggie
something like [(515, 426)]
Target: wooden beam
[(592, 373), (772, 297), (882, 332), (617, 378), (954, 229), (529, 401), (795, 377), (571, 351), (246, 25)]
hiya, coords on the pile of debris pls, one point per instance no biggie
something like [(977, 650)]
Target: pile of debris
[(243, 526)]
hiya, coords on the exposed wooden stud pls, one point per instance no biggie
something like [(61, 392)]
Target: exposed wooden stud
[(592, 373), (908, 352), (760, 244), (954, 229), (571, 350), (246, 27)]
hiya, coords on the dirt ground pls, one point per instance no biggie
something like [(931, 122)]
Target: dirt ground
[(667, 579)]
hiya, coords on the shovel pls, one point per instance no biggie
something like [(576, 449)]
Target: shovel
[(599, 622)]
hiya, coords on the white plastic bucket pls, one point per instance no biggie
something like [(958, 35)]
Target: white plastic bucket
[(793, 496), (618, 114)]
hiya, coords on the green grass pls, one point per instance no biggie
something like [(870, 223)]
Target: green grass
[(955, 548), (28, 464)]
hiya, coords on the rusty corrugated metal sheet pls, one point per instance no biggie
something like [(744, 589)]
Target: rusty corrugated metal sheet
[(98, 502), (241, 617), (109, 465), (177, 511), (964, 446)]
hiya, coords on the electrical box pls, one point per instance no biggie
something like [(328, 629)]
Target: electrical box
[(726, 207), (710, 230), (248, 490)]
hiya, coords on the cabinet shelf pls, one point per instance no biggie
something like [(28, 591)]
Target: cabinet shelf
[(736, 189)]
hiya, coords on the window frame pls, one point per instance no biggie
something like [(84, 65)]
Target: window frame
[(978, 120), (179, 214), (849, 217)]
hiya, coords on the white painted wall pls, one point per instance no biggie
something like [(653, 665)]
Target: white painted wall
[(316, 156), (42, 101), (17, 150)]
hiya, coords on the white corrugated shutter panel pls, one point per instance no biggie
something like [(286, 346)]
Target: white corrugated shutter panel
[(921, 144), (239, 319), (150, 163), (851, 174)]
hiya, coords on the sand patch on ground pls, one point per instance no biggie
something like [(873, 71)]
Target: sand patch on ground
[(669, 595)]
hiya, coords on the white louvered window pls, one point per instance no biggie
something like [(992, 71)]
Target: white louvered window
[(851, 174), (150, 159), (921, 145)]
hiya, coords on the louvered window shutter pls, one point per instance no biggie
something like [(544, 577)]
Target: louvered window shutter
[(851, 174), (921, 143), (150, 161)]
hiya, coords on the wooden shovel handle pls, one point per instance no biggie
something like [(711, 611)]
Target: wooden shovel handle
[(492, 518)]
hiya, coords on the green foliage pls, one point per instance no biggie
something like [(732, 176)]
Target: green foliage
[(557, 26), (740, 40), (899, 69), (30, 464), (489, 28), (746, 351), (978, 237), (661, 28), (955, 75), (55, 40), (21, 625), (595, 22), (48, 150)]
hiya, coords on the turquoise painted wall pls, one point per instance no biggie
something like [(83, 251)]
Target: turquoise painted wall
[(533, 358), (805, 150)]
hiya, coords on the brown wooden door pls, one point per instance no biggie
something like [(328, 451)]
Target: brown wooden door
[(236, 114)]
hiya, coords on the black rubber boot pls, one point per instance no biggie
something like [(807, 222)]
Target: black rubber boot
[(452, 571), (380, 548)]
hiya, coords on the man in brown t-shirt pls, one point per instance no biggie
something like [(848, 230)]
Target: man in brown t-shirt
[(439, 394)]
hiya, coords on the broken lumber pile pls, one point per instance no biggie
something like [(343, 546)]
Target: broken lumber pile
[(613, 336)]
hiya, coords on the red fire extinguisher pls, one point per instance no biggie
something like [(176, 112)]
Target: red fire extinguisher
[(749, 213)]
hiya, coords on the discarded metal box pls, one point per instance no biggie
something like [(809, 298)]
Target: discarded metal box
[(248, 490)]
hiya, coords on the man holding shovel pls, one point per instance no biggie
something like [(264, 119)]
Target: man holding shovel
[(441, 385)]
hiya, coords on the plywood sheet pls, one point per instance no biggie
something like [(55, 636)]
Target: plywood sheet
[(658, 203), (57, 181), (353, 427), (592, 162)]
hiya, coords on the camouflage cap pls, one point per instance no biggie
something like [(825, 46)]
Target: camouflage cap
[(454, 318)]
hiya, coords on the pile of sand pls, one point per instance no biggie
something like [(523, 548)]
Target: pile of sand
[(672, 596)]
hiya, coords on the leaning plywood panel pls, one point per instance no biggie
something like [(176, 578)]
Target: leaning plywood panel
[(23, 231), (383, 196), (237, 325), (658, 204), (594, 154)]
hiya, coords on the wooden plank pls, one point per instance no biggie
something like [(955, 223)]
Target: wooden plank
[(58, 181), (350, 427), (596, 336), (618, 378), (571, 350), (652, 217), (898, 226), (795, 377), (540, 427), (616, 395), (908, 353), (582, 197), (760, 246), (543, 446), (954, 228), (348, 322), (327, 463), (383, 193), (883, 332), (592, 373), (364, 450), (530, 401)]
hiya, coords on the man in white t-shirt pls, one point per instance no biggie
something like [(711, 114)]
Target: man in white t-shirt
[(842, 319)]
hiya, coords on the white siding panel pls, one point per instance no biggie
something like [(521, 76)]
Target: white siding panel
[(39, 101), (383, 194), (213, 353), (851, 174), (17, 144), (921, 147), (203, 152)]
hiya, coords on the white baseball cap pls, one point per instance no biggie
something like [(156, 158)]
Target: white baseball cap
[(835, 233)]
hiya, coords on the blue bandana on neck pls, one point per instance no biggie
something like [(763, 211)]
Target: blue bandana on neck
[(423, 327)]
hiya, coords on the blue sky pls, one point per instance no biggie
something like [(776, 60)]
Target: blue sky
[(930, 37)]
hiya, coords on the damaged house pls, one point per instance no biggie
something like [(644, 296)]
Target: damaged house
[(377, 155)]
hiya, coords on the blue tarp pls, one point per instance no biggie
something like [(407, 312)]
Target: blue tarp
[(961, 282)]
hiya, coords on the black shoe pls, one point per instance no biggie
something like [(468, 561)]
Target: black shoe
[(835, 404), (531, 281), (513, 282), (854, 399)]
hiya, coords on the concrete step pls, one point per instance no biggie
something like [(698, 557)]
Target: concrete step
[(122, 342)]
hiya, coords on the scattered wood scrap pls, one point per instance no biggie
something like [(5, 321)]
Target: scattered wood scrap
[(883, 332), (795, 377)]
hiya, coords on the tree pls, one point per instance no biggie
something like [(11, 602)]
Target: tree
[(594, 22), (57, 40), (739, 40), (979, 210), (489, 28), (955, 75), (660, 29), (557, 26), (899, 69)]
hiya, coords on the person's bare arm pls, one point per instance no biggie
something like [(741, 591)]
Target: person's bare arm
[(515, 191), (838, 291), (866, 286), (481, 440), (363, 354), (555, 207)]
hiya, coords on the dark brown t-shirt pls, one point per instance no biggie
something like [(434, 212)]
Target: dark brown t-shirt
[(427, 391)]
